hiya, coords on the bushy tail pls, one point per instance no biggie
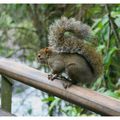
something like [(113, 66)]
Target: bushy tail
[(75, 42), (58, 29)]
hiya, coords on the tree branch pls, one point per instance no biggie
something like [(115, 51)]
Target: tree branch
[(113, 25)]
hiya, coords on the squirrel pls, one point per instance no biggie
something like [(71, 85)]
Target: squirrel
[(69, 53)]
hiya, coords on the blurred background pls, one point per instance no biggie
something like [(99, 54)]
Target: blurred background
[(24, 30)]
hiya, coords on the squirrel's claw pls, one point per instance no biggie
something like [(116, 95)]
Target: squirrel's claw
[(52, 77)]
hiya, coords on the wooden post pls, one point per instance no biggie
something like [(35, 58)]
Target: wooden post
[(4, 113), (6, 94)]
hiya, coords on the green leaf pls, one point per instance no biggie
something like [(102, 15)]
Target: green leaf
[(112, 94), (117, 21), (115, 14), (53, 104), (108, 57), (100, 48), (49, 99), (96, 23), (29, 111)]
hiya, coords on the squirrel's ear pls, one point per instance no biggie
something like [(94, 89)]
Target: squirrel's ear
[(48, 51)]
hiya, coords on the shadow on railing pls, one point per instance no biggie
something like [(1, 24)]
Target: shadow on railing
[(80, 96)]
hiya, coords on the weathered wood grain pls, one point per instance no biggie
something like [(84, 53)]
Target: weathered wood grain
[(78, 95)]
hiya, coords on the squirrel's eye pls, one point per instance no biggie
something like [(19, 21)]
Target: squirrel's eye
[(38, 55)]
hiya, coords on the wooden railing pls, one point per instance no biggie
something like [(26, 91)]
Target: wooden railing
[(80, 96)]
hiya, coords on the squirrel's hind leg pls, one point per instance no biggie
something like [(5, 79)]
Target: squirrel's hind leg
[(66, 82)]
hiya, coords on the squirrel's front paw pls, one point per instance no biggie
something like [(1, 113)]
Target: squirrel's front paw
[(52, 77)]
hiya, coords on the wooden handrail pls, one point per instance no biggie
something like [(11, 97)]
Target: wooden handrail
[(78, 95)]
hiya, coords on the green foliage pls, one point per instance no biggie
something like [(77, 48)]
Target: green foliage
[(29, 111), (72, 110)]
